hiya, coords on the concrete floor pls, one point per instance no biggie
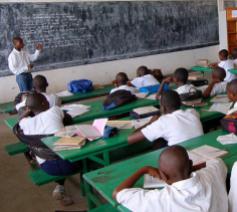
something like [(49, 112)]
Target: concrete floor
[(16, 190)]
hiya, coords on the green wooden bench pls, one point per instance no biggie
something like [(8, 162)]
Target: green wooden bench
[(16, 148), (39, 177), (7, 107)]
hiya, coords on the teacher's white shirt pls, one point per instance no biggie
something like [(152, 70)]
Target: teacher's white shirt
[(18, 61)]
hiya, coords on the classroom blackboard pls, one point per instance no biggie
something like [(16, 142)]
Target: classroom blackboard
[(90, 32)]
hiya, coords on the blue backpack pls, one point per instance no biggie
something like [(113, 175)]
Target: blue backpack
[(153, 89), (80, 86)]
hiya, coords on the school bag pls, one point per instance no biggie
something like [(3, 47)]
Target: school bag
[(193, 94), (118, 98), (80, 86), (35, 144), (153, 89), (229, 123), (198, 82)]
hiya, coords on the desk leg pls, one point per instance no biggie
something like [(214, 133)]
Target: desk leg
[(84, 170), (106, 158), (92, 199)]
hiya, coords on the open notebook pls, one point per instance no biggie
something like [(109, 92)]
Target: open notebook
[(152, 182), (94, 131), (90, 132), (204, 153), (75, 109)]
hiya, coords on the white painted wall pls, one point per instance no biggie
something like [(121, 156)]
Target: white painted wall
[(105, 72)]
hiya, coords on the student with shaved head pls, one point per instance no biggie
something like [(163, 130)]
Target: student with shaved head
[(189, 188), (174, 125), (232, 95), (37, 122), (20, 63), (217, 85)]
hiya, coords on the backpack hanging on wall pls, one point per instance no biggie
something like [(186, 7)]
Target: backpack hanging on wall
[(80, 86), (118, 98)]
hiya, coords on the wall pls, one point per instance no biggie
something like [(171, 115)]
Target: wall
[(105, 72)]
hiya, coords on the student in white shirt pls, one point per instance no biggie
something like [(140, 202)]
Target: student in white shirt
[(144, 78), (20, 63), (40, 85), (233, 189), (188, 188), (226, 64), (180, 79), (218, 85), (121, 83), (174, 125), (47, 121), (232, 95), (234, 57)]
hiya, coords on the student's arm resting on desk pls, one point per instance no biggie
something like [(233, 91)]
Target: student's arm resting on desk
[(128, 183), (136, 137)]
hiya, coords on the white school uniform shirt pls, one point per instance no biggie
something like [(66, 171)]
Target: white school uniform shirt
[(124, 87), (219, 88), (233, 189), (185, 88), (146, 80), (52, 99), (175, 127), (18, 61), (204, 191), (45, 123), (227, 65), (233, 108)]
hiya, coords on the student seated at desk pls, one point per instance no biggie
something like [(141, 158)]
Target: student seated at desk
[(157, 73), (233, 189), (144, 78), (234, 57), (226, 64), (174, 125), (44, 121), (180, 79), (121, 82), (232, 95), (188, 188), (217, 85), (40, 85)]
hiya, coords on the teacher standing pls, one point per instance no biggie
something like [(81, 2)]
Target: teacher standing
[(20, 63)]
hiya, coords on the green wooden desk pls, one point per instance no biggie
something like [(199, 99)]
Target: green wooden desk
[(97, 111), (9, 106), (233, 71), (82, 96), (6, 107), (104, 180), (201, 69), (92, 149)]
